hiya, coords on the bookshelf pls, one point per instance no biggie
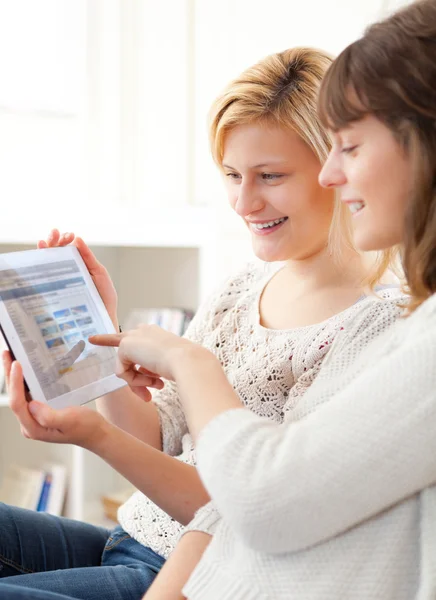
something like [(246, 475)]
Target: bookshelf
[(165, 259)]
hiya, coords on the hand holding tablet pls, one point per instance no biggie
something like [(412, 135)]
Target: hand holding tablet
[(49, 306), (73, 425)]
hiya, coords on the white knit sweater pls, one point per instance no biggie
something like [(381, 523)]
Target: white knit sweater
[(269, 369), (341, 504)]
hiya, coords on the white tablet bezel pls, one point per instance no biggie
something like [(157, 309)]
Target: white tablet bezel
[(83, 394)]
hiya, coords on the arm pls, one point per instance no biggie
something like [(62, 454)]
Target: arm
[(169, 583), (126, 410), (368, 448), (176, 571), (171, 484)]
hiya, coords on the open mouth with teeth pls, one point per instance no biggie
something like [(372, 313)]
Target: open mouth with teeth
[(356, 207), (269, 225)]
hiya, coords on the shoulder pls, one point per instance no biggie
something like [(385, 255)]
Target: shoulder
[(248, 276), (427, 310), (240, 288), (369, 316), (422, 320), (378, 312), (244, 281), (369, 320)]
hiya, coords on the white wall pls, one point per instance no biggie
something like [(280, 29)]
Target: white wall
[(103, 103)]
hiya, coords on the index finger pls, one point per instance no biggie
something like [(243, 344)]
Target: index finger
[(106, 339)]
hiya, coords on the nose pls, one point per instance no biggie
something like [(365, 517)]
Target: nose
[(331, 174), (248, 199)]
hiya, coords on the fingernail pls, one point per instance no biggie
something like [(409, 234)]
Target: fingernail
[(33, 408)]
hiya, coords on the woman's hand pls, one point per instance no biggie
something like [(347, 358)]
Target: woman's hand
[(98, 272), (155, 350), (203, 388), (76, 425)]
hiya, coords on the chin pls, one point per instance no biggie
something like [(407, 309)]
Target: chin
[(373, 242), (269, 256)]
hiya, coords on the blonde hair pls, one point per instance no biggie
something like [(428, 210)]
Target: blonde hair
[(282, 89)]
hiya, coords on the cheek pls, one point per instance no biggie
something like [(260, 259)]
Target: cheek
[(232, 196), (367, 177), (312, 203), (287, 199)]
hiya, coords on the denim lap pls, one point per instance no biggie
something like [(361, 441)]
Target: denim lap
[(70, 559), (121, 549)]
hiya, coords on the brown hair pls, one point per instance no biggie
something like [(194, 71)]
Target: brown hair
[(391, 73), (283, 89)]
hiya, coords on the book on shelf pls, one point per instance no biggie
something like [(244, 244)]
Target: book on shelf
[(22, 486), (45, 492), (42, 490), (175, 320)]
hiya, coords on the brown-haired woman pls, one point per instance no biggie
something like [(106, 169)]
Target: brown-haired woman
[(342, 503)]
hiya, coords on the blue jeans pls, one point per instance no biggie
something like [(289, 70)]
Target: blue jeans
[(53, 558)]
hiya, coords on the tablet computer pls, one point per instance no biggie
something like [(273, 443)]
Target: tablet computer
[(49, 306)]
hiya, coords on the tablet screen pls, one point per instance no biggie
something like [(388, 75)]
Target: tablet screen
[(49, 308)]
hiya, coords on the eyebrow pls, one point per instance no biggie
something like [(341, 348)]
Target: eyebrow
[(259, 166)]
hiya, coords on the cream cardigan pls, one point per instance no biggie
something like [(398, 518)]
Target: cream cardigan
[(340, 504)]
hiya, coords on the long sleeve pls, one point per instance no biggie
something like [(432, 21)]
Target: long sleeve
[(284, 488), (206, 519)]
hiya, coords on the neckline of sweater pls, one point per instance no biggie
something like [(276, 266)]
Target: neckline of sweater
[(254, 311)]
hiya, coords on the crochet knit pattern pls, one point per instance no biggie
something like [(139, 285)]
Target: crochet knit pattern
[(269, 369)]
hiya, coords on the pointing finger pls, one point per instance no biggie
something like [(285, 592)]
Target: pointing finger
[(107, 339)]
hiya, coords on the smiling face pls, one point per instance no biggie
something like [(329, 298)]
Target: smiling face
[(272, 183), (373, 175)]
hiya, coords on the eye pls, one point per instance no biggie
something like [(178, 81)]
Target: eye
[(348, 149), (233, 176), (271, 176)]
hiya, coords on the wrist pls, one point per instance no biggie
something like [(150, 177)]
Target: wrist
[(189, 357), (101, 436)]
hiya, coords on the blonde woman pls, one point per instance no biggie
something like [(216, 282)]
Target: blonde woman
[(270, 328)]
